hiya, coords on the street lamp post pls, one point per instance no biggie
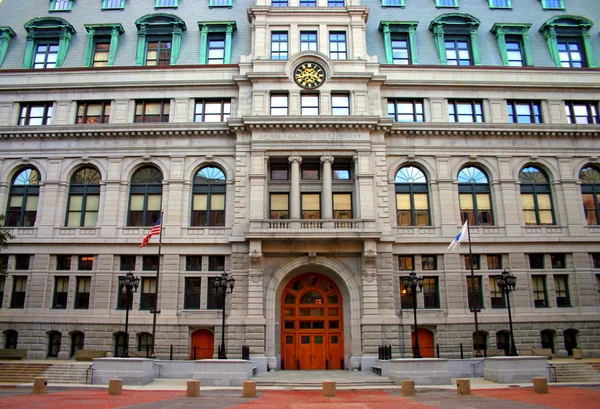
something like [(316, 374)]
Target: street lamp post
[(506, 283), (223, 285), (415, 283), (131, 284)]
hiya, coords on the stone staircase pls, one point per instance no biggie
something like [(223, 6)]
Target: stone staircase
[(314, 379), (576, 372), (55, 372)]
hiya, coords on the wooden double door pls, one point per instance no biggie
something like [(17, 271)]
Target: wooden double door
[(312, 331)]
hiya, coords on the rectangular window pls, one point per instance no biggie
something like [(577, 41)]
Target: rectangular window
[(341, 170), (63, 262), (583, 112), (220, 3), (474, 292), (93, 112), (158, 51), (101, 52), (82, 293), (279, 171), (127, 263), (308, 3), (337, 45), (148, 293), (553, 4), (335, 3), (392, 3), (340, 104), (310, 170), (279, 104), (561, 288), (216, 263), (61, 5), (193, 263), (494, 261), (309, 104), (400, 49), (212, 110), (279, 45), (308, 41), (152, 111), (472, 260), (122, 299), (596, 260), (61, 291), (570, 52), (22, 261), (431, 293), (215, 44), (514, 51), (500, 4), (35, 113), (406, 263), (496, 297), (446, 3), (406, 110), (597, 287), (2, 284), (214, 300), (524, 112), (113, 4), (17, 300), (428, 262), (166, 3), (406, 297), (85, 263), (150, 263), (191, 300), (311, 205), (458, 50), (540, 299), (342, 206), (465, 111), (279, 3), (3, 264), (46, 55), (536, 261), (558, 260), (279, 206)]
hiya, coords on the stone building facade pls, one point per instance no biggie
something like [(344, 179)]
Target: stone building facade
[(315, 151)]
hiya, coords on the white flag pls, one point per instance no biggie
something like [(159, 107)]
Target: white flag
[(462, 235)]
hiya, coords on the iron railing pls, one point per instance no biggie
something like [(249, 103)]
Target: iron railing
[(173, 353), (386, 352)]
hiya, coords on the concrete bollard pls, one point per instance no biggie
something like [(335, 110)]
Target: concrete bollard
[(249, 389), (540, 385), (463, 387), (193, 389), (408, 388), (115, 387), (329, 389), (39, 386)]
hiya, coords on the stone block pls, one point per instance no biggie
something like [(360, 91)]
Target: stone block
[(39, 386), (249, 389), (193, 389), (540, 385), (115, 387), (463, 387), (329, 389), (408, 388)]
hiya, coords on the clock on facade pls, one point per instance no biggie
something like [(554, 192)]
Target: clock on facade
[(309, 75)]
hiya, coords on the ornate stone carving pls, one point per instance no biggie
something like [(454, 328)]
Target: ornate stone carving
[(370, 257), (255, 259), (256, 276), (369, 276)]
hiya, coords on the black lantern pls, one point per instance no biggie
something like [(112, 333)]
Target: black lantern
[(506, 282), (223, 285), (131, 284), (415, 283)]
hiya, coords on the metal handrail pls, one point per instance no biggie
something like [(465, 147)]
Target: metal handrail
[(551, 370), (87, 374), (475, 364), (159, 366)]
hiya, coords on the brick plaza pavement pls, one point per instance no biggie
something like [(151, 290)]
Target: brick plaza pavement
[(509, 398)]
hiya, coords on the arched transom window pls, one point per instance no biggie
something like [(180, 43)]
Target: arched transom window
[(590, 190), (535, 197), (412, 198), (23, 200), (474, 197), (84, 197), (145, 197), (208, 203)]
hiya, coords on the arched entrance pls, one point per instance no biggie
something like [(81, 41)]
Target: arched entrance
[(312, 334), (203, 344), (425, 342)]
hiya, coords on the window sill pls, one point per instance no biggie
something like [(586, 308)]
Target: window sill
[(221, 7), (164, 7), (112, 8)]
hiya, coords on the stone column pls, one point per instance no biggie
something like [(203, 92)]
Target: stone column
[(327, 198), (295, 188)]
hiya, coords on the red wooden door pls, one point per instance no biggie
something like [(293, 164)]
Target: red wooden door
[(425, 343), (203, 344)]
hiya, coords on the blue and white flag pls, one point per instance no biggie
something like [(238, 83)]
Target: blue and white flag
[(462, 235)]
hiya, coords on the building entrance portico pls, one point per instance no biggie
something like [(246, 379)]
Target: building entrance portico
[(312, 335)]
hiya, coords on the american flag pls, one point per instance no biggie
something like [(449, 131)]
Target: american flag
[(155, 230)]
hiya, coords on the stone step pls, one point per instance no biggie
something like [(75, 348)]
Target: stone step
[(24, 372)]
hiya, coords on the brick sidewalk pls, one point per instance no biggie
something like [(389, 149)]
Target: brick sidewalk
[(511, 398)]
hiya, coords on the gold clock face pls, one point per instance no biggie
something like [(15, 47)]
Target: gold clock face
[(309, 75)]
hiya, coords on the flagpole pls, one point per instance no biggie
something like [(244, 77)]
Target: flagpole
[(162, 211), (475, 303)]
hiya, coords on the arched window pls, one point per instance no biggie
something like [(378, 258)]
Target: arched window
[(84, 196), (159, 39), (480, 339), (412, 199), (570, 336), (590, 190), (547, 336), (208, 204), (10, 339), (535, 197), (503, 341), (119, 344), (474, 197), (54, 339), (145, 197), (77, 339), (145, 343), (23, 200)]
